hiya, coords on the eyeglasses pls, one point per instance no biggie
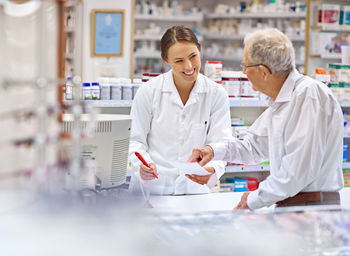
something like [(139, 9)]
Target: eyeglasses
[(255, 65)]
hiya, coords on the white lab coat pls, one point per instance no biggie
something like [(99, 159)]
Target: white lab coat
[(301, 133), (164, 130)]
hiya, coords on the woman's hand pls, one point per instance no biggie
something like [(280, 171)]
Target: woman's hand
[(201, 179), (147, 173)]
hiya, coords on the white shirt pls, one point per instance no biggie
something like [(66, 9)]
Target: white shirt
[(301, 133), (164, 130)]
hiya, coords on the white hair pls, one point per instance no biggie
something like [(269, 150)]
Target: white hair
[(272, 48)]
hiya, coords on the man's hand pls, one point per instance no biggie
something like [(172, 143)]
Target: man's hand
[(147, 173), (201, 155), (201, 179), (243, 203)]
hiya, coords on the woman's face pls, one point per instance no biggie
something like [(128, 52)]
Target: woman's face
[(184, 59)]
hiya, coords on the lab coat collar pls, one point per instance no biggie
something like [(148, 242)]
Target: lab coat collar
[(169, 86), (288, 87)]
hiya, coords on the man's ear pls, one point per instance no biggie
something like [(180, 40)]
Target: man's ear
[(265, 71)]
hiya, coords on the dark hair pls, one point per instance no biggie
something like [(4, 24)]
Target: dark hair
[(176, 34)]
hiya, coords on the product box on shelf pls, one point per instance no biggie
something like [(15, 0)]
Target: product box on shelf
[(213, 70), (243, 184)]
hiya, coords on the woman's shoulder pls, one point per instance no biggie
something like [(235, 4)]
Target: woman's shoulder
[(211, 86)]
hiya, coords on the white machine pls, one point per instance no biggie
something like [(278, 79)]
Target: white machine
[(108, 146)]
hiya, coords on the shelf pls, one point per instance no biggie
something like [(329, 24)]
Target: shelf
[(147, 37), (234, 102), (222, 57), (248, 102), (241, 37), (69, 56), (322, 29), (69, 4), (192, 18), (246, 168), (331, 56), (256, 16), (345, 104), (154, 37), (69, 29), (259, 168), (150, 55), (104, 103)]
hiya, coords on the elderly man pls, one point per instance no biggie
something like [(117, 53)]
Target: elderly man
[(301, 132)]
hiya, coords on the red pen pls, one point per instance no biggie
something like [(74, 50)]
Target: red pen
[(145, 163)]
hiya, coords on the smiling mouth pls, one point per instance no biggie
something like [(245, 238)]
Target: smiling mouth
[(190, 73)]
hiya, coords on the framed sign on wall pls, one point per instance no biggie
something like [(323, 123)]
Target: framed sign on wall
[(107, 29)]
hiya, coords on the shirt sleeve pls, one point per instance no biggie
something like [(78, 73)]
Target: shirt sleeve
[(141, 114), (219, 129), (253, 149), (304, 144)]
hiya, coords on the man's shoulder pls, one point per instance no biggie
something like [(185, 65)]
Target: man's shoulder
[(310, 87)]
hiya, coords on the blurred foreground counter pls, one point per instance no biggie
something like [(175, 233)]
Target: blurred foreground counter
[(119, 224)]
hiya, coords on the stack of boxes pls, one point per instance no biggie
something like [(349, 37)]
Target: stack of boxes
[(340, 81)]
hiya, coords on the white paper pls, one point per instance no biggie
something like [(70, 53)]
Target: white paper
[(190, 168)]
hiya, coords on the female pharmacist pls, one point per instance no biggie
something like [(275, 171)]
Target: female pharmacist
[(172, 114)]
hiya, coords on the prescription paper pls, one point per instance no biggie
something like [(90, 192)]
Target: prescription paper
[(190, 168)]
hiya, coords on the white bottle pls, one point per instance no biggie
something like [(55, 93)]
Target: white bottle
[(86, 91), (116, 89), (95, 91), (105, 88), (127, 89), (69, 89), (137, 82)]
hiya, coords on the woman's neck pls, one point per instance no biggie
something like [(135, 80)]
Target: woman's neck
[(184, 90)]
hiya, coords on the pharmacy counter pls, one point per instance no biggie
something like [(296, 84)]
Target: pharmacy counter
[(225, 201)]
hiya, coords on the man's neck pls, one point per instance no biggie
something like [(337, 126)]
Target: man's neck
[(276, 83)]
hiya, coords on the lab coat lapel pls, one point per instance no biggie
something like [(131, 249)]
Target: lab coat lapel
[(199, 87), (169, 87)]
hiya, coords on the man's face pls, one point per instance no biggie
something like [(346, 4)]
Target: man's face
[(253, 73)]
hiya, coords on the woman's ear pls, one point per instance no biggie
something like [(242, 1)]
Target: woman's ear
[(166, 61)]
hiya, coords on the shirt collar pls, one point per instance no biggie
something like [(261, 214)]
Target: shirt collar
[(169, 86), (288, 86)]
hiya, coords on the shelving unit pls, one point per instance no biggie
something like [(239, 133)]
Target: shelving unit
[(317, 56), (72, 37), (230, 55), (192, 18), (288, 15)]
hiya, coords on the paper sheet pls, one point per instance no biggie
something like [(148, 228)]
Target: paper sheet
[(190, 168)]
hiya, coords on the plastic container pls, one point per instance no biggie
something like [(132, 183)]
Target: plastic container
[(135, 86), (69, 89), (116, 89), (86, 93), (153, 75), (126, 89), (231, 82), (213, 70), (145, 77), (345, 151), (95, 91), (105, 88)]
